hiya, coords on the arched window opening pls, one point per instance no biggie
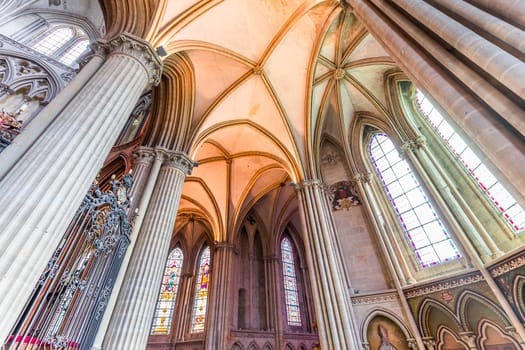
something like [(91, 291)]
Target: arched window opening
[(198, 318), (168, 293), (63, 43), (291, 293), (53, 40), (489, 184), (427, 235)]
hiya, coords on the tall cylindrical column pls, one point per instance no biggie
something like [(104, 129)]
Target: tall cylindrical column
[(131, 320), (217, 326), (504, 148), (147, 164), (332, 306), (43, 190)]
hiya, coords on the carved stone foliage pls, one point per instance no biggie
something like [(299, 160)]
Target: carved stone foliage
[(343, 195)]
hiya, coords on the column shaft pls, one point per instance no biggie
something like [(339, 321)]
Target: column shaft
[(333, 310), (131, 320), (43, 190), (510, 10), (146, 172), (217, 327), (12, 154), (505, 150)]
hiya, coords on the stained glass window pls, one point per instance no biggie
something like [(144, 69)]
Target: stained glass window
[(291, 293), (501, 198), (168, 293), (198, 317), (420, 222)]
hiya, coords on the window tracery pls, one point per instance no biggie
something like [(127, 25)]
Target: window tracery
[(198, 318), (168, 293), (489, 184), (291, 293), (421, 224), (63, 43)]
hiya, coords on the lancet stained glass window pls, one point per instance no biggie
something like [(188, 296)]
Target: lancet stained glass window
[(503, 200), (198, 317), (291, 293), (168, 293), (420, 222)]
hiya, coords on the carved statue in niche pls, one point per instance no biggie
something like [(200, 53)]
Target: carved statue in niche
[(384, 334)]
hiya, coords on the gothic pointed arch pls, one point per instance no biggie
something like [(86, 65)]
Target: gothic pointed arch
[(492, 335), (518, 294), (432, 314), (378, 311), (446, 339), (472, 307), (252, 346), (173, 102)]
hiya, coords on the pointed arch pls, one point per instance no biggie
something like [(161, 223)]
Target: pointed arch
[(267, 346), (252, 346), (488, 308), (291, 289), (492, 336), (446, 339), (387, 314), (425, 313), (518, 294)]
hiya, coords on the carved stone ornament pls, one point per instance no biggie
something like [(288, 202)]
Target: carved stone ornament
[(142, 51), (444, 285), (374, 299), (177, 160), (508, 266), (343, 195), (144, 155), (309, 183), (331, 158)]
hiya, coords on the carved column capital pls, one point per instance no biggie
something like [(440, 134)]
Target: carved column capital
[(412, 343), (414, 144), (144, 156), (132, 46), (469, 338), (179, 161), (223, 245), (430, 343), (309, 183), (362, 178)]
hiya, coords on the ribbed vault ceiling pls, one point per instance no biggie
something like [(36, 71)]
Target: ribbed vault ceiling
[(272, 79)]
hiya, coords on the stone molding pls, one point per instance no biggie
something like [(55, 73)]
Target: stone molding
[(362, 178), (132, 46), (144, 156), (177, 160), (444, 285), (507, 266), (373, 299), (310, 183)]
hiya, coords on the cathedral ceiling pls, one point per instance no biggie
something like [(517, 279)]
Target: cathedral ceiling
[(272, 79)]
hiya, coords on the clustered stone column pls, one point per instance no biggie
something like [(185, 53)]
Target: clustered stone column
[(147, 163), (43, 190), (332, 305), (275, 321), (217, 326), (131, 320), (476, 101)]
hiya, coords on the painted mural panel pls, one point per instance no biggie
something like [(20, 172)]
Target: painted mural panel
[(384, 334)]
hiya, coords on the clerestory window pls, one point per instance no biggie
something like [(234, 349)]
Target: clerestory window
[(420, 222)]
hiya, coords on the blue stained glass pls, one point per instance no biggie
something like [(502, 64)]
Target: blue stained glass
[(418, 219), (168, 293), (291, 293), (502, 199)]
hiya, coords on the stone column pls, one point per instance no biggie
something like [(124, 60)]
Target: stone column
[(43, 190), (217, 326), (12, 154), (333, 308), (130, 323), (147, 165), (275, 321), (504, 148)]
